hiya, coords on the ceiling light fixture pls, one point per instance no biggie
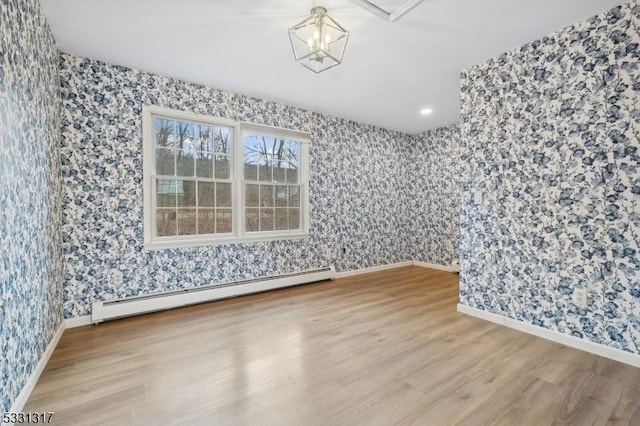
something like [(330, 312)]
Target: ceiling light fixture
[(318, 42), (426, 111)]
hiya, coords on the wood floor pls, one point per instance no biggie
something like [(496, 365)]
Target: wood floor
[(378, 349)]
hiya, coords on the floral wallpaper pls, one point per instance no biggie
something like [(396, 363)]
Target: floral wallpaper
[(550, 181), (433, 196), (31, 256), (357, 178)]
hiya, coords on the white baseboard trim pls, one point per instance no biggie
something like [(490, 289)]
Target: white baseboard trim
[(355, 272), (555, 336), (78, 321), (24, 394), (434, 266)]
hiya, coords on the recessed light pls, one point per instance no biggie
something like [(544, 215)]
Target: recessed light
[(426, 111)]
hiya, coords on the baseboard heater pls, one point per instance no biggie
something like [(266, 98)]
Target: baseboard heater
[(136, 305)]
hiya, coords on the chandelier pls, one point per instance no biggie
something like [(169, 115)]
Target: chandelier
[(318, 42)]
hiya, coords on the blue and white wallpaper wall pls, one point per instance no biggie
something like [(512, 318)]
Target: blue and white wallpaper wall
[(433, 196), (30, 194), (551, 181), (357, 176)]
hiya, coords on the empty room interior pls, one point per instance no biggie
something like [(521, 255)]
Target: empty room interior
[(327, 212)]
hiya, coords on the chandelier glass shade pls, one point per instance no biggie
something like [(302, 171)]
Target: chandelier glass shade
[(318, 42)]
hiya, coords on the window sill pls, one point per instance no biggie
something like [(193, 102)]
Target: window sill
[(188, 243)]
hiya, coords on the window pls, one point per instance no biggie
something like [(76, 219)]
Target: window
[(272, 183), (210, 181)]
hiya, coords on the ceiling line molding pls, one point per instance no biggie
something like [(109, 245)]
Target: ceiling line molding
[(383, 14)]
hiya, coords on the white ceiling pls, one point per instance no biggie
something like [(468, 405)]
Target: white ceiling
[(389, 72)]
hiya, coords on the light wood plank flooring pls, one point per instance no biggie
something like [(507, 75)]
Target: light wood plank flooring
[(378, 349)]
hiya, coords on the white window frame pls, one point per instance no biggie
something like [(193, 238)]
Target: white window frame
[(238, 234)]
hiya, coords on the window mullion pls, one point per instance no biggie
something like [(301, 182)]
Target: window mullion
[(154, 207), (238, 204), (303, 182), (198, 208)]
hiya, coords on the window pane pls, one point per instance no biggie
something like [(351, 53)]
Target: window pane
[(252, 195), (282, 221), (294, 196), (223, 221), (279, 160), (164, 130), (203, 140), (292, 173), (279, 171), (186, 221), (279, 149), (266, 195), (293, 152), (223, 138), (223, 168), (250, 171), (294, 218), (186, 136), (165, 162), (206, 221), (166, 222), (252, 220), (254, 155), (267, 219), (204, 164), (265, 171), (165, 193), (282, 194), (206, 194), (223, 194), (186, 191), (185, 163)]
